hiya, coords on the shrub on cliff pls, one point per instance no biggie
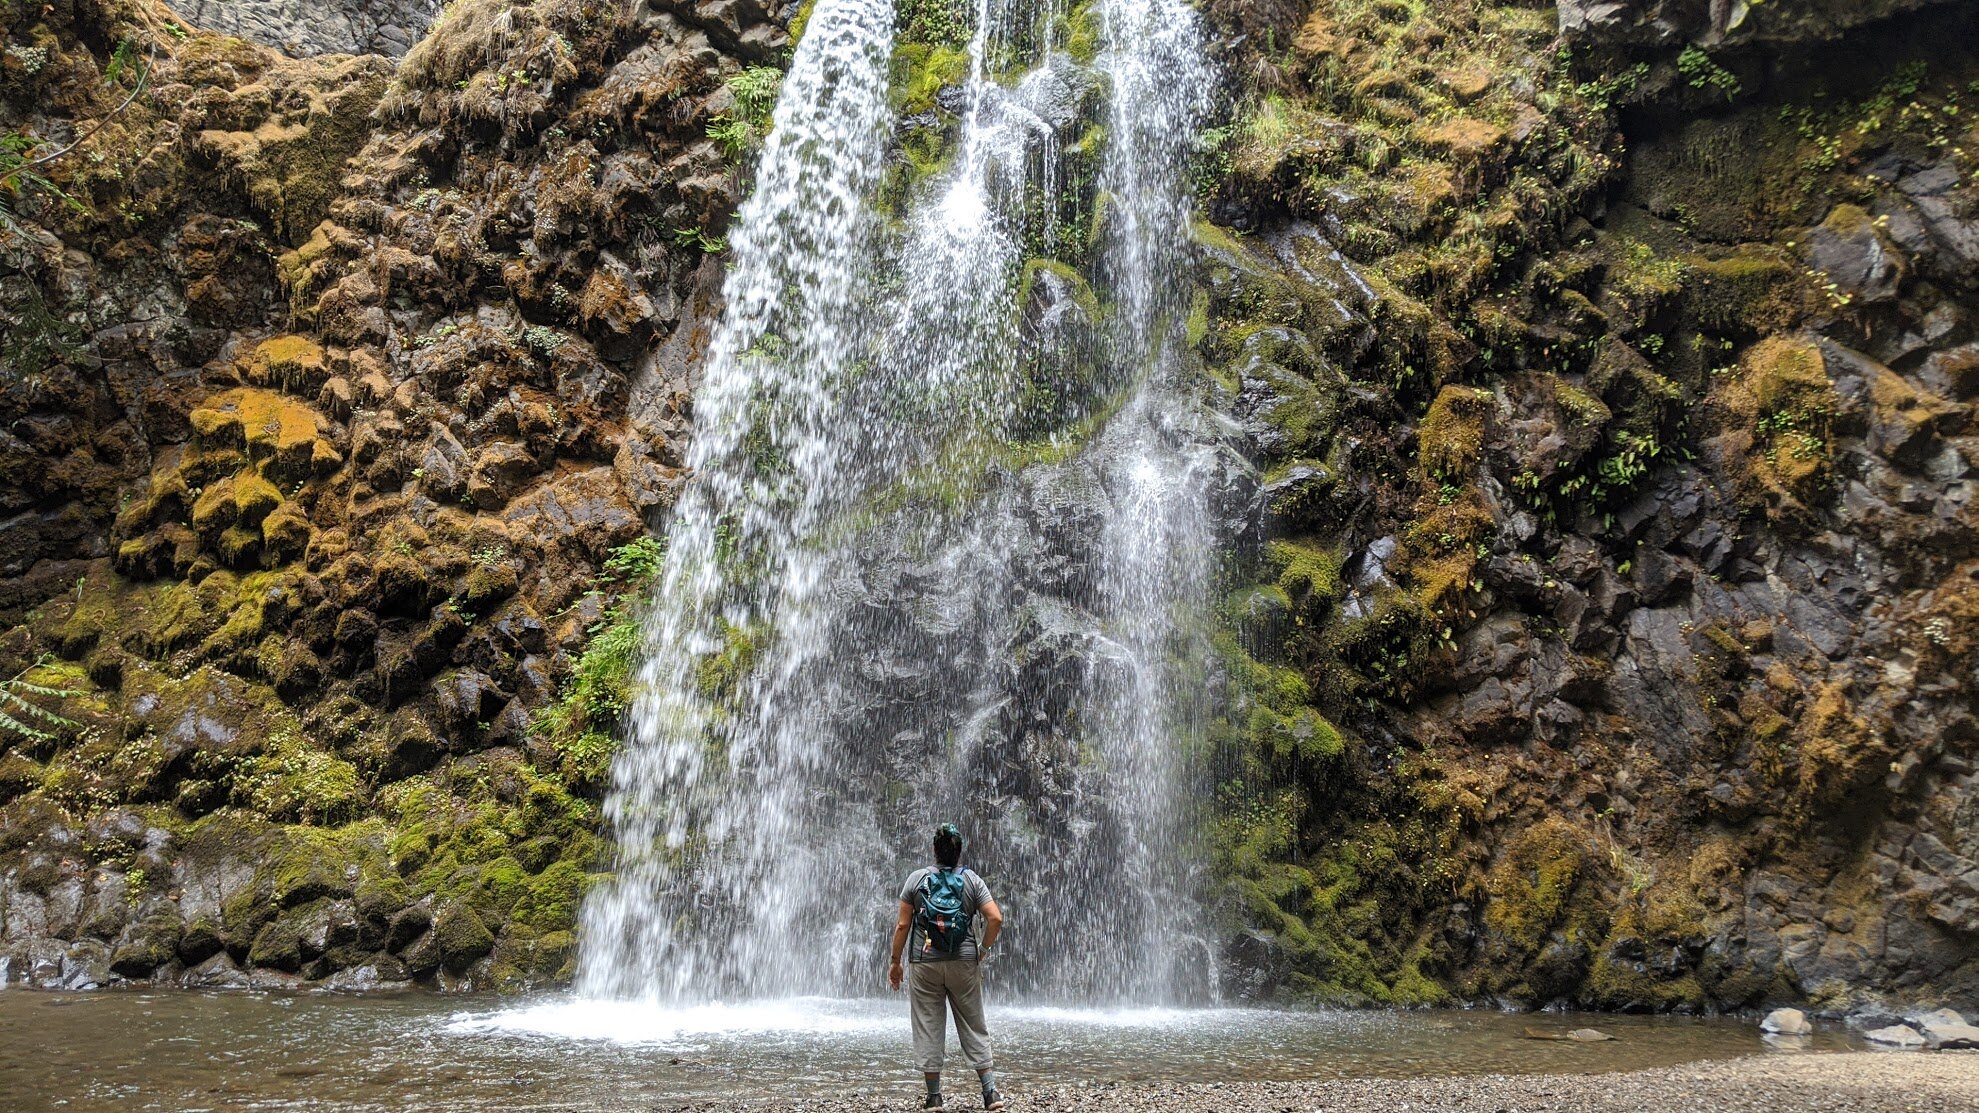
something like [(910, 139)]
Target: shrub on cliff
[(583, 723)]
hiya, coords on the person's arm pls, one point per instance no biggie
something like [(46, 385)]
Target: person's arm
[(992, 925), (900, 929)]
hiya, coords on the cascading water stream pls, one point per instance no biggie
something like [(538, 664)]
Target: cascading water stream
[(946, 544)]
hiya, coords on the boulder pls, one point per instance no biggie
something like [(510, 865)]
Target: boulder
[(217, 972), (1786, 1022), (1856, 256), (1899, 1036), (1946, 1030), (381, 972), (460, 938)]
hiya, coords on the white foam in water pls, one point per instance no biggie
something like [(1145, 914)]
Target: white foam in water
[(649, 1024), (643, 1023), (1157, 1018)]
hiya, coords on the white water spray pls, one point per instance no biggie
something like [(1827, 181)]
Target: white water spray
[(943, 543)]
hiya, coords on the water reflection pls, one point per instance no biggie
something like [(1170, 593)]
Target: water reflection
[(190, 1051)]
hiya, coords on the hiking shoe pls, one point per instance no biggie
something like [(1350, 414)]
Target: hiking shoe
[(992, 1099), (934, 1101)]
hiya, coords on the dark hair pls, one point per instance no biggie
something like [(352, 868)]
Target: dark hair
[(948, 846)]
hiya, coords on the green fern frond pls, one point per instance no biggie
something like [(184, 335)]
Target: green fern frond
[(11, 725), (18, 714)]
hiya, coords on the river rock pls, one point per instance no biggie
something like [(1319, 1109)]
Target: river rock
[(217, 972), (1578, 1035), (1900, 1036), (1946, 1030), (1786, 1022)]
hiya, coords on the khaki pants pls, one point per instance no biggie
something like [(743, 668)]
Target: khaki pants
[(935, 988)]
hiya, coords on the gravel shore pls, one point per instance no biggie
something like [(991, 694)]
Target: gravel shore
[(1854, 1082)]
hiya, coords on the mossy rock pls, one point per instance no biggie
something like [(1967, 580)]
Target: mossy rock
[(19, 775), (921, 71), (460, 938), (1243, 288), (1081, 32), (146, 945), (1450, 437), (1777, 419), (201, 939), (313, 867), (1750, 293), (552, 898), (1462, 138), (280, 434), (296, 364), (288, 940), (488, 585), (286, 533), (1543, 913), (291, 166), (1305, 569)]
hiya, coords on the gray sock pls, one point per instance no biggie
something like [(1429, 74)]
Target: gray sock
[(989, 1081), (934, 1084)]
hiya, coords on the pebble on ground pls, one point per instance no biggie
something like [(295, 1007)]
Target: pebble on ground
[(1853, 1082)]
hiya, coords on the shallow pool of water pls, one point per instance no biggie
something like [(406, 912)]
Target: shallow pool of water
[(190, 1051)]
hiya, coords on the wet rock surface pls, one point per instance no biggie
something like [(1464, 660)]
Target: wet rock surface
[(306, 27)]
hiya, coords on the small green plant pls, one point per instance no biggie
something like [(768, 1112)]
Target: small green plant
[(22, 716), (936, 22), (733, 135), (1702, 73), (543, 340), (1214, 159), (583, 722), (1601, 94), (755, 91), (699, 240), (17, 174), (637, 562)]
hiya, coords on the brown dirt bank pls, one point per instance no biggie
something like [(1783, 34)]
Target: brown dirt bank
[(1838, 1083)]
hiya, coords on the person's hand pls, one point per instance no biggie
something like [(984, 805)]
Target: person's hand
[(893, 976)]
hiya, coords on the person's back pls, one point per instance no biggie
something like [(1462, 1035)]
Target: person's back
[(942, 908)]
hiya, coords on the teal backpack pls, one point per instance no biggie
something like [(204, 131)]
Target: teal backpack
[(942, 919)]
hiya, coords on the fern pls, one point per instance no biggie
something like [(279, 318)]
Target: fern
[(23, 717), (755, 91)]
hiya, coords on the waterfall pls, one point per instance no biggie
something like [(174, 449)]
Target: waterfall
[(946, 547)]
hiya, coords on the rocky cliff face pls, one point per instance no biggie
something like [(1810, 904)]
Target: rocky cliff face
[(1718, 22), (1619, 506), (1603, 632), (306, 27), (333, 385)]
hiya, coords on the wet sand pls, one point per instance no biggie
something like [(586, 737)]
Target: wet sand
[(1852, 1082)]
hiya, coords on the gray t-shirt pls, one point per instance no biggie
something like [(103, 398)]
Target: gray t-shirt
[(975, 894)]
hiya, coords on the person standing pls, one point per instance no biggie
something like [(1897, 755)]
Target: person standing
[(944, 908)]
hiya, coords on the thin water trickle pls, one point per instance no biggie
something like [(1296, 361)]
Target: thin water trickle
[(946, 544)]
